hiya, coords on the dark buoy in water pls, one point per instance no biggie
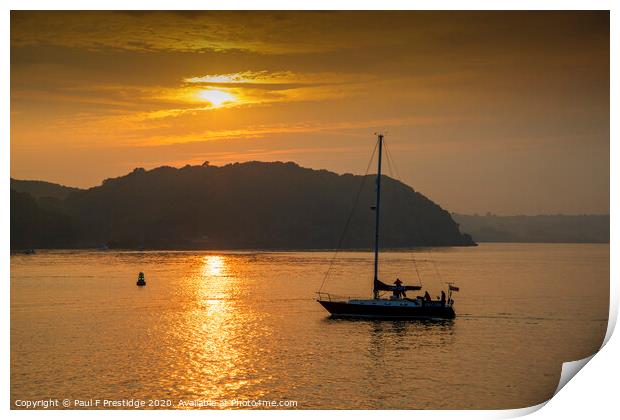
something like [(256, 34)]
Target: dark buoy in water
[(141, 281)]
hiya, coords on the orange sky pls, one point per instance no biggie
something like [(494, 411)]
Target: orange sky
[(502, 112)]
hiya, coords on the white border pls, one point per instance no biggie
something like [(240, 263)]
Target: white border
[(591, 394)]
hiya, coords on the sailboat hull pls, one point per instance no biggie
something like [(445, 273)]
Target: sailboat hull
[(379, 309)]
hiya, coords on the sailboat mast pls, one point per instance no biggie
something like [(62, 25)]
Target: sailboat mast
[(376, 279)]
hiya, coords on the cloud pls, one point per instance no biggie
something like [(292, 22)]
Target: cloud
[(305, 127), (196, 94), (262, 32), (286, 79)]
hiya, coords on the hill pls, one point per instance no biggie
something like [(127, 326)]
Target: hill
[(36, 226), (247, 205), (549, 228), (42, 189)]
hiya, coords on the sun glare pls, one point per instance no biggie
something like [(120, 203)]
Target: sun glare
[(216, 97), (213, 265)]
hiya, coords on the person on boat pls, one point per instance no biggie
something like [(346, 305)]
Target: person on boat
[(443, 298), (427, 296), (399, 290)]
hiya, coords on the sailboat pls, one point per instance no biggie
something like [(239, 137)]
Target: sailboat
[(397, 305)]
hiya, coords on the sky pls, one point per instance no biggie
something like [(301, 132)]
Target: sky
[(501, 112)]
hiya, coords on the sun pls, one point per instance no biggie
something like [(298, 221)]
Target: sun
[(216, 97)]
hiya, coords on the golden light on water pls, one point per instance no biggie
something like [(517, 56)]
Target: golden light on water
[(213, 265), (219, 334), (216, 97)]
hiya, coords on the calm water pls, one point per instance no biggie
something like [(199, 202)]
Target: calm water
[(245, 326)]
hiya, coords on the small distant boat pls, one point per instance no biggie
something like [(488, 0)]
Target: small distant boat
[(102, 247), (141, 281), (397, 305), (29, 251)]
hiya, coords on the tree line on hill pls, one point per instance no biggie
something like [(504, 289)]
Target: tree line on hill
[(253, 205)]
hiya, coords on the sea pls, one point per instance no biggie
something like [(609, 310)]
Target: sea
[(243, 330)]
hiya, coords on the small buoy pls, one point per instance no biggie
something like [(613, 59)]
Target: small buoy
[(141, 281)]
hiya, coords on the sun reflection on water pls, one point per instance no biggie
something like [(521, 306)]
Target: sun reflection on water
[(213, 265), (219, 333)]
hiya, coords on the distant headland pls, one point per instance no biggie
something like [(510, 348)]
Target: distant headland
[(552, 228), (252, 205)]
